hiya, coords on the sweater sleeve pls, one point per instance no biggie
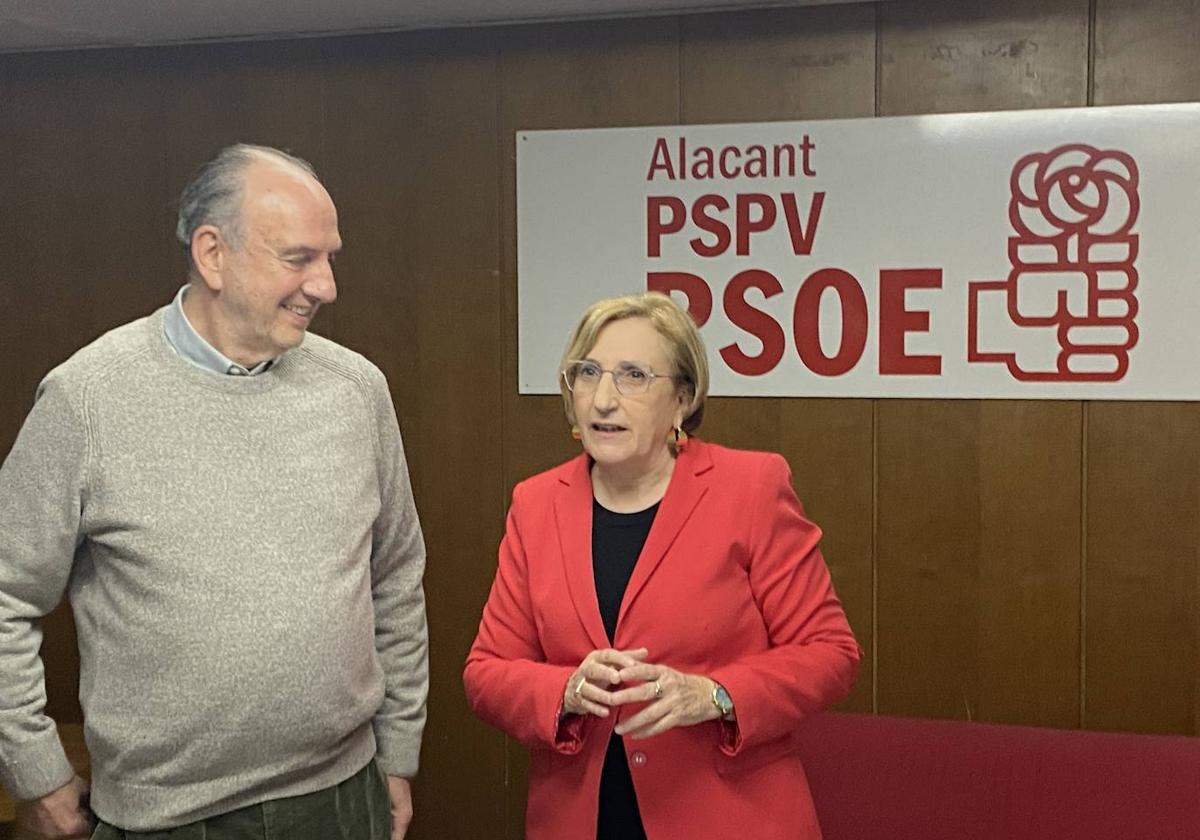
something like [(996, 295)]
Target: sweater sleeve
[(814, 658), (42, 493), (397, 566)]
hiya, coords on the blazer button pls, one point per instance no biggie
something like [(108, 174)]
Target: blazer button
[(639, 759)]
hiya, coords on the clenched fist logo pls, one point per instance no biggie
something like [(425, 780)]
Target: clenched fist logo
[(1067, 311)]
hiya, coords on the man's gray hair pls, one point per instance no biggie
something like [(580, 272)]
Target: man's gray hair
[(214, 197)]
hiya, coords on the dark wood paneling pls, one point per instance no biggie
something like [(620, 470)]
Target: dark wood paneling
[(1146, 51), (979, 504), (977, 55), (268, 93), (778, 64), (83, 243), (979, 545), (1143, 574), (1029, 562), (1143, 529), (416, 118), (566, 76), (829, 445), (927, 550), (797, 64)]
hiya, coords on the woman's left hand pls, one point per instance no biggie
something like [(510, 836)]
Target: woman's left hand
[(675, 699)]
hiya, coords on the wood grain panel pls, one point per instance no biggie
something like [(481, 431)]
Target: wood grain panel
[(829, 446), (797, 64), (927, 555), (1030, 545), (1143, 608), (418, 115), (1143, 555), (84, 248), (1146, 51), (778, 64), (979, 571), (979, 503), (268, 93), (565, 76), (978, 507), (976, 55)]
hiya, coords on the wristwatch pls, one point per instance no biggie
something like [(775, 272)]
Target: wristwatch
[(722, 700)]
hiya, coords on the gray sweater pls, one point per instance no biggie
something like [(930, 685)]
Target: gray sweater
[(244, 563)]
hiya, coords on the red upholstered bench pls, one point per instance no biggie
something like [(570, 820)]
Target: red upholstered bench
[(885, 778)]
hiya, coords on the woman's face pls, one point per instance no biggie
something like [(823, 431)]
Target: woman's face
[(629, 432)]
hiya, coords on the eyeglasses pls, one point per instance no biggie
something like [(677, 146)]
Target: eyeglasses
[(583, 376)]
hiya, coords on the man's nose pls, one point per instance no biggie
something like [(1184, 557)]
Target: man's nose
[(320, 286)]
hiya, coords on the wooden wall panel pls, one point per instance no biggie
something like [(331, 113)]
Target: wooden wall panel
[(1145, 51), (1143, 548), (797, 64), (927, 547), (416, 118), (978, 560), (829, 446), (975, 55), (975, 585), (566, 76), (808, 63), (978, 556), (74, 247), (268, 93), (1032, 562), (1030, 547)]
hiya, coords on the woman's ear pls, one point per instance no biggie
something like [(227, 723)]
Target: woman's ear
[(681, 407)]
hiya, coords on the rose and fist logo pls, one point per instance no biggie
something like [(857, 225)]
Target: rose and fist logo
[(1071, 286)]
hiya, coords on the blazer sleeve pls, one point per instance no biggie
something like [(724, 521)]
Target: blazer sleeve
[(508, 682), (813, 659)]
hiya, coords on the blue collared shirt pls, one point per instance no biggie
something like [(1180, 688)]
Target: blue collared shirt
[(190, 345)]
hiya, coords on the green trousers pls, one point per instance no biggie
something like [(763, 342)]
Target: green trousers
[(357, 809)]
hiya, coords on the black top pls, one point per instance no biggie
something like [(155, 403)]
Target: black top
[(617, 540)]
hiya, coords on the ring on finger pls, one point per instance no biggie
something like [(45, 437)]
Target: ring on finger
[(657, 689), (579, 685)]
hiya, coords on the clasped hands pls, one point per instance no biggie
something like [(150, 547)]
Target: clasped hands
[(675, 699)]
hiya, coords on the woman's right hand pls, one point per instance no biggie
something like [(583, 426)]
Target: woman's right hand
[(586, 692)]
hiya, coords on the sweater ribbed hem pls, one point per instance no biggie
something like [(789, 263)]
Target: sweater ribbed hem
[(172, 804)]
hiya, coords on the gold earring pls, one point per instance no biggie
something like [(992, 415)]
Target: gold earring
[(680, 439), (575, 433)]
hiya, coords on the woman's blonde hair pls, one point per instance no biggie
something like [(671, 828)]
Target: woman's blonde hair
[(672, 323)]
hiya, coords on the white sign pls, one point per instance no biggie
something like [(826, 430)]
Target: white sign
[(1031, 254)]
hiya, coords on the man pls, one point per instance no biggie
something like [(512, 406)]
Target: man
[(226, 498)]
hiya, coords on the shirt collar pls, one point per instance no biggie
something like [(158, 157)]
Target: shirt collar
[(192, 347)]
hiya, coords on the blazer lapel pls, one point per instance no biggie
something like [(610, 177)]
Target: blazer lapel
[(573, 517), (688, 485)]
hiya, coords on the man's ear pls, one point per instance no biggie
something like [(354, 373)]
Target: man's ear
[(208, 255)]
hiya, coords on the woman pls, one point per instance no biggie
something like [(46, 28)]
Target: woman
[(661, 618)]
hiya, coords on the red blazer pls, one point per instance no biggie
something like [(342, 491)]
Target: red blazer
[(729, 584)]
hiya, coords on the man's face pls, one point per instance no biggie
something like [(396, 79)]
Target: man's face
[(273, 284)]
